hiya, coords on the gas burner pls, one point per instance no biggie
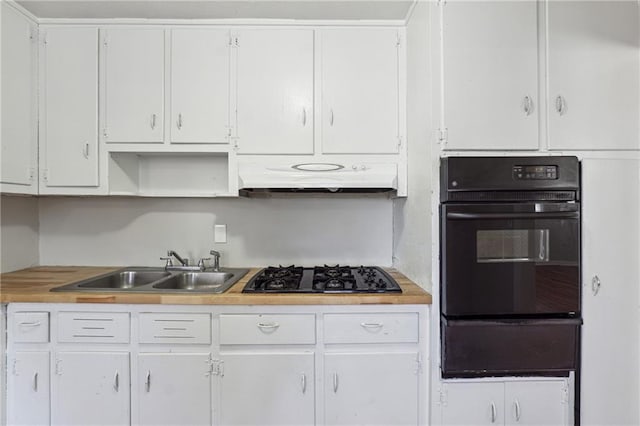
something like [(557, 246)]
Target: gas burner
[(322, 279)]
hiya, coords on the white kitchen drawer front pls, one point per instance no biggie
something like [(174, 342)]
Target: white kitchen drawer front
[(93, 327), (371, 328), (30, 327), (268, 329), (175, 328)]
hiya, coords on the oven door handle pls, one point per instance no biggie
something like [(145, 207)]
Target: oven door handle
[(540, 215)]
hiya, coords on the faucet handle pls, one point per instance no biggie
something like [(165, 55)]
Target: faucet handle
[(214, 253), (168, 260), (201, 262)]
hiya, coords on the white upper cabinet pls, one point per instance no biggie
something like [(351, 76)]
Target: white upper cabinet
[(360, 90), (274, 91), (199, 85), (133, 85), (19, 105), (69, 108), (594, 74), (490, 75)]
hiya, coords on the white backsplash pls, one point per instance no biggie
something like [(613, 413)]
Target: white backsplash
[(19, 233), (287, 230)]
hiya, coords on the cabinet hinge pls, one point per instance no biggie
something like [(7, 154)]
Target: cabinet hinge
[(14, 368), (105, 134), (565, 394), (443, 136), (45, 175), (105, 40), (442, 2), (216, 367), (233, 41), (59, 367), (31, 172), (399, 142), (418, 365), (442, 397), (398, 39)]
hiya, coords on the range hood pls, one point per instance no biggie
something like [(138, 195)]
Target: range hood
[(318, 177)]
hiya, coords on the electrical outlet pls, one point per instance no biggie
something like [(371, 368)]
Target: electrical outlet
[(220, 233)]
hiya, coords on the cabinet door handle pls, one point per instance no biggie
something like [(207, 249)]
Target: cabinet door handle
[(527, 105), (147, 381), (85, 151), (179, 121), (116, 382), (335, 382), (516, 405), (30, 324), (303, 383), (304, 116), (35, 382), (153, 121), (595, 285), (561, 105), (268, 326), (494, 413), (331, 118)]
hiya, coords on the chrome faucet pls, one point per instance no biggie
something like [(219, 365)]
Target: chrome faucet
[(183, 262), (216, 260)]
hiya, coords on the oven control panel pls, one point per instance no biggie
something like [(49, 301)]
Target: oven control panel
[(535, 172)]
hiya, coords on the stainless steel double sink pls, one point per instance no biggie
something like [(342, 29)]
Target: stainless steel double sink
[(158, 280)]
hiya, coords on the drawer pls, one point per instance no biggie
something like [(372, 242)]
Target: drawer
[(175, 328), (30, 327), (93, 327), (371, 328), (294, 329)]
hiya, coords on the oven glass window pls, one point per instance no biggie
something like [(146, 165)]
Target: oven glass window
[(512, 245)]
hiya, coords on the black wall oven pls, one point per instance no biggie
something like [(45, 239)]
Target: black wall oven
[(510, 265)]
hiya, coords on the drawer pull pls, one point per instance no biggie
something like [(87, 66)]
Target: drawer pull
[(372, 324), (271, 326), (93, 319), (174, 328), (31, 324), (93, 328)]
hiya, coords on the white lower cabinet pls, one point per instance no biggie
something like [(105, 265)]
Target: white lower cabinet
[(28, 389), (91, 388), (531, 403), (174, 389), (279, 387), (87, 364), (371, 388)]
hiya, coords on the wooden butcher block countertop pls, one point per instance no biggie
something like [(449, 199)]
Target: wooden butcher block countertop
[(32, 285)]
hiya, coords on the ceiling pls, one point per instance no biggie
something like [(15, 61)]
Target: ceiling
[(221, 9)]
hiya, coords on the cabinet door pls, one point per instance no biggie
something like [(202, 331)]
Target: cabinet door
[(28, 389), (279, 388), (174, 389), (357, 388), (275, 91), (594, 71), (19, 116), (69, 115), (490, 75), (199, 86), (536, 403), (473, 404), (611, 249), (134, 85), (360, 91), (90, 384)]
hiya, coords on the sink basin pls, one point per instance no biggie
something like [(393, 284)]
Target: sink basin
[(125, 279), (196, 281), (157, 280)]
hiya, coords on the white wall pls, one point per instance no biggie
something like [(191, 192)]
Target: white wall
[(18, 232), (412, 216), (137, 231)]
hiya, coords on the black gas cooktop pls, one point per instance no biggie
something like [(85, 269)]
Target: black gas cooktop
[(322, 279)]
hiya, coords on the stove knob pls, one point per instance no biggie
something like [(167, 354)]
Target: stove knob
[(381, 283)]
